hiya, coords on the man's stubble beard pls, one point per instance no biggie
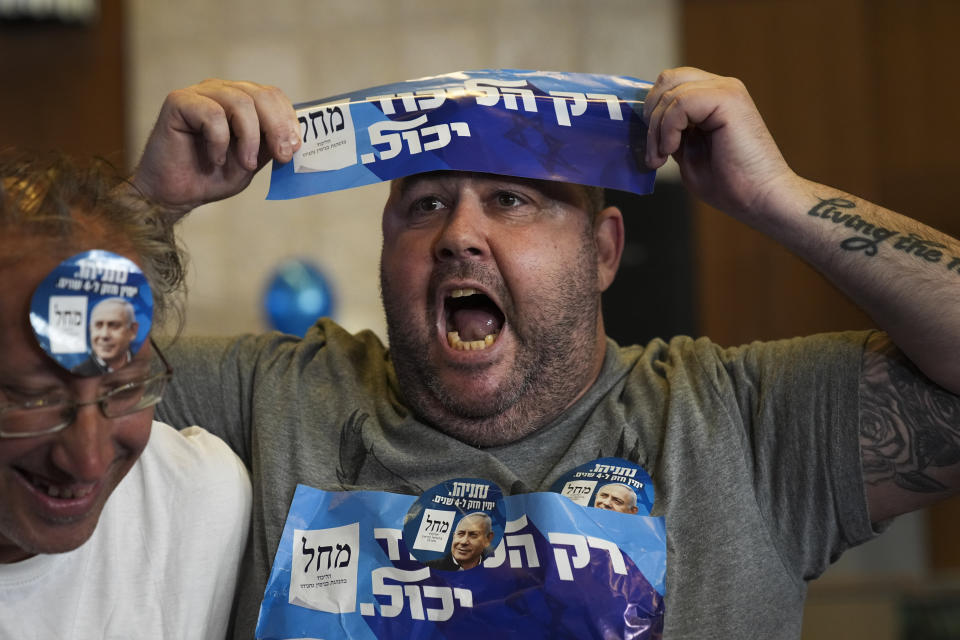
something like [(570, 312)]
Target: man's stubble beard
[(555, 356)]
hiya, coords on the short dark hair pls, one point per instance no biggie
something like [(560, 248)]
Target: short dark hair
[(52, 195), (596, 199)]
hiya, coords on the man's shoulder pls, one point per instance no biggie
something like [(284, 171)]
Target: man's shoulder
[(324, 340), (182, 460)]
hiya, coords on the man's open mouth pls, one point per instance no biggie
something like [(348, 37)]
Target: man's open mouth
[(473, 320), (69, 491)]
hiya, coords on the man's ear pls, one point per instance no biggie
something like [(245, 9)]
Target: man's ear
[(609, 236)]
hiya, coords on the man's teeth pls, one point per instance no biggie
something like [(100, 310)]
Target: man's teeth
[(453, 339), (64, 493), (459, 293)]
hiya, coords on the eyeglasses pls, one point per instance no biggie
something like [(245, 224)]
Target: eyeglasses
[(57, 411)]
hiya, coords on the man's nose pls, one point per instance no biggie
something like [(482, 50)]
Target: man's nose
[(464, 232), (85, 449)]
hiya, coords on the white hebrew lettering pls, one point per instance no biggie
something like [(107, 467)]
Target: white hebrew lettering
[(419, 101), (430, 99), (445, 595), (581, 555), (578, 107), (523, 541), (613, 104), (395, 591), (512, 526), (413, 141), (442, 131), (416, 602), (394, 141), (465, 596), (406, 99), (491, 93), (386, 103), (498, 557), (393, 537), (462, 129), (616, 557)]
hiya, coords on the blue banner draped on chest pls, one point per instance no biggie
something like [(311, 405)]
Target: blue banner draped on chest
[(561, 570)]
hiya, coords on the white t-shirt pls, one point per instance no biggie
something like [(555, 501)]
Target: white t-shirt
[(162, 562)]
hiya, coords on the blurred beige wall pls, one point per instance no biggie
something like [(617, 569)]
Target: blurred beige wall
[(316, 48)]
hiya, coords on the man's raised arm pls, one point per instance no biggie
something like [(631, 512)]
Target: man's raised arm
[(904, 274), (210, 139)]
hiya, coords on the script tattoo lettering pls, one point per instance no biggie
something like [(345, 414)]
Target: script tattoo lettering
[(909, 426), (833, 209), (926, 249), (839, 211)]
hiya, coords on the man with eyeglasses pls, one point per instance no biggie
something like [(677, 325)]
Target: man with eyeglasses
[(111, 525)]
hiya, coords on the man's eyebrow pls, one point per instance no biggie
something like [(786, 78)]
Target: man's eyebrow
[(406, 183)]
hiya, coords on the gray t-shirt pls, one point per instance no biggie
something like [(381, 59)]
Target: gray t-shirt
[(753, 452)]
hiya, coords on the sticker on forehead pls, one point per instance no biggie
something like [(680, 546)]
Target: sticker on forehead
[(92, 313), (456, 524), (608, 483)]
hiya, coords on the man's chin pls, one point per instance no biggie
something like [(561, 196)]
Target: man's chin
[(479, 407), (471, 403), (477, 393)]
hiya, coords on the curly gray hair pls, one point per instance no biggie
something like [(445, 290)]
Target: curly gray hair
[(54, 195)]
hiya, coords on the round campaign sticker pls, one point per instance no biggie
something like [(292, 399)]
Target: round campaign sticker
[(93, 312), (456, 524), (608, 483)]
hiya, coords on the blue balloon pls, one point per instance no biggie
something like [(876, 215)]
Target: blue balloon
[(297, 295)]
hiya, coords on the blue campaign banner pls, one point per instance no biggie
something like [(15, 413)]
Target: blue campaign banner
[(572, 127), (561, 570)]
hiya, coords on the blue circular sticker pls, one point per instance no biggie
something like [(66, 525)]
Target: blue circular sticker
[(93, 312), (456, 524), (608, 483)]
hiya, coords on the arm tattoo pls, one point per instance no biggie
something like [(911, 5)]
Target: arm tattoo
[(868, 235), (908, 424)]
